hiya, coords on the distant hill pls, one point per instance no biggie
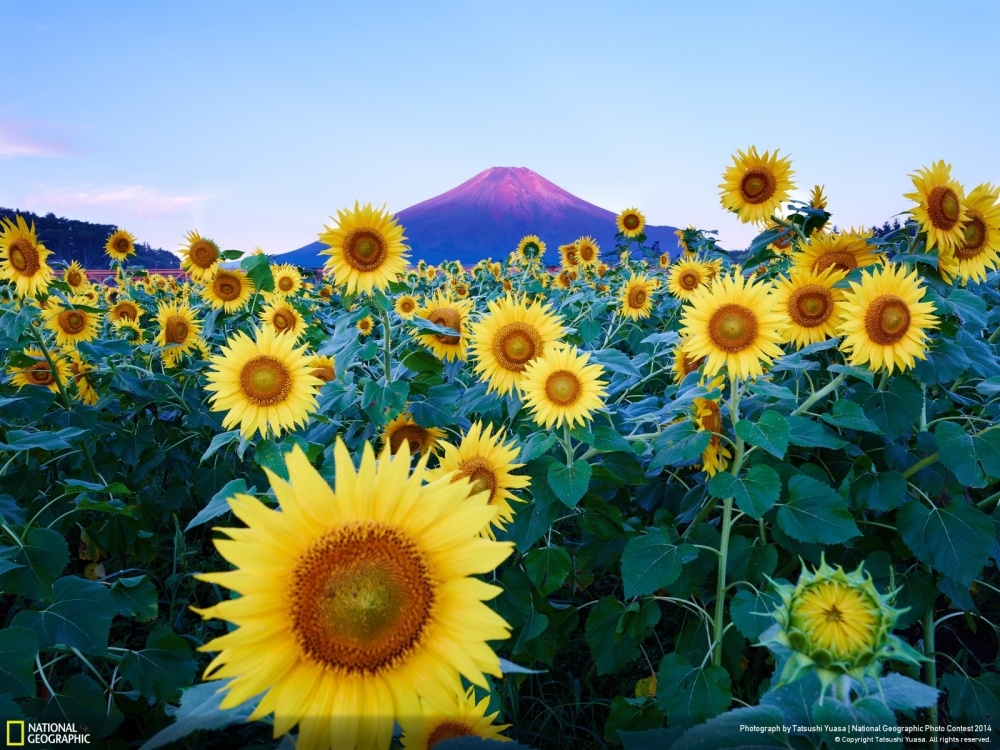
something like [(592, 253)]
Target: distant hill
[(69, 240), (488, 215)]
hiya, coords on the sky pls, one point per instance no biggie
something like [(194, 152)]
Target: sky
[(255, 122)]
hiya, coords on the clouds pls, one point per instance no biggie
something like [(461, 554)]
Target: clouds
[(133, 201), (27, 139)]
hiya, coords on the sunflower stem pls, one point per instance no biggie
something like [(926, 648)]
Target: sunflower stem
[(387, 345), (817, 395), (567, 445), (718, 625), (930, 669)]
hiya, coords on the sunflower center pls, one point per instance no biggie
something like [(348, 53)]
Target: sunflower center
[(691, 363), (839, 259), (449, 318), (733, 328), (758, 185), (324, 373), (943, 207), (839, 619), (24, 257), (530, 249), (448, 730), (40, 374), (810, 305), (631, 222), (563, 388), (587, 253), (833, 614), (283, 320), (887, 320), (571, 258), (325, 292), (406, 305), (481, 476), (126, 310), (515, 345), (72, 321), (711, 416), (413, 434), (361, 598), (265, 380), (176, 329), (226, 287), (689, 280), (365, 250), (122, 244), (975, 239), (285, 283), (73, 278), (204, 254), (637, 297)]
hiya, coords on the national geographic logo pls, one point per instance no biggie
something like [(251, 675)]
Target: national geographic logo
[(21, 734)]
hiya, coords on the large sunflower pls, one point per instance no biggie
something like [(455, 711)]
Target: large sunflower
[(885, 321), (40, 373), (734, 324), (810, 302), (756, 186), (406, 306), (358, 603), (687, 276), (124, 309), (442, 311), (977, 254), (200, 257), (322, 368), (561, 388), (70, 325), (75, 276), (179, 329), (366, 249), (630, 222), (940, 208), (229, 289), (262, 383), (844, 251), (403, 429), (287, 279), (531, 249), (283, 318), (586, 252), (466, 719), (507, 338), (120, 245), (636, 297), (488, 463), (22, 258)]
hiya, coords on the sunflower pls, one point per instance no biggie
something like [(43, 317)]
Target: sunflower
[(262, 383), (229, 289), (403, 429), (884, 319), (22, 258), (442, 311), (708, 417), (684, 363), (130, 330), (179, 328), (636, 299), (531, 249), (844, 251), (510, 336), (71, 325), (734, 324), (977, 254), (366, 249), (587, 251), (464, 718), (84, 389), (664, 260), (41, 373), (816, 198), (325, 293), (75, 276), (756, 186), (561, 388), (686, 277), (630, 222), (124, 309), (200, 257), (322, 368), (811, 303), (940, 208), (406, 306), (283, 318), (287, 279), (947, 265), (120, 245), (460, 289), (358, 603)]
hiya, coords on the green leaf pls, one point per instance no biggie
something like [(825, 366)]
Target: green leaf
[(850, 416), (547, 567), (135, 597), (537, 445), (771, 432), (258, 269), (881, 492), (856, 717), (728, 731), (957, 451), (689, 694), (607, 646), (219, 441), (754, 493), (807, 433), (161, 669), (969, 307), (18, 647), (200, 711), (531, 522), (219, 504), (815, 513), (422, 360), (750, 611), (973, 700), (988, 451), (81, 701), (895, 410), (955, 540), (570, 483), (42, 558), (652, 561), (48, 440), (614, 360), (680, 443), (902, 693), (79, 616), (609, 440)]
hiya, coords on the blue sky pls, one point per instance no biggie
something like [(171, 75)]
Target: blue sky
[(254, 122)]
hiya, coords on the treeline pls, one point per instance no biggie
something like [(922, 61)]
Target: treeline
[(69, 239)]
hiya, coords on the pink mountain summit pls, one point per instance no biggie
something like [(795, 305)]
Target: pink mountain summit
[(488, 215)]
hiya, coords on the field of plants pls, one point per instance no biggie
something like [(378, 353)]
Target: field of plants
[(631, 501)]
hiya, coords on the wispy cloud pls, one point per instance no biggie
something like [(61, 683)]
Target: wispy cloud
[(127, 200), (21, 138)]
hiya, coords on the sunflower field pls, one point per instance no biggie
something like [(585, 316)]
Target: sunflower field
[(634, 501)]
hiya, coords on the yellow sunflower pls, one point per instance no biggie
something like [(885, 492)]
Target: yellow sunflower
[(684, 363), (229, 289), (816, 198), (586, 252), (884, 320), (287, 279), (530, 249), (22, 258), (124, 309), (322, 368), (442, 311), (510, 336), (755, 186), (283, 318), (403, 429), (844, 251), (636, 297), (686, 277), (940, 208), (630, 222), (70, 324), (810, 302), (561, 388), (263, 382), (85, 392), (200, 257), (664, 260), (734, 324), (568, 255), (466, 718), (41, 373), (366, 249), (708, 417), (366, 325), (325, 292), (179, 328), (75, 277), (130, 330), (358, 604), (120, 245), (977, 254), (406, 306)]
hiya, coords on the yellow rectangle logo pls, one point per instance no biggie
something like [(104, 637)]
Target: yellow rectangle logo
[(10, 739)]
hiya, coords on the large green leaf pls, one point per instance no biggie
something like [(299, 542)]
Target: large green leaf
[(652, 561), (609, 649), (955, 540), (219, 504), (815, 513), (895, 410), (18, 647), (729, 731), (135, 596), (771, 432), (547, 567), (850, 416), (754, 493), (808, 433), (751, 612), (200, 710), (81, 701), (856, 718), (258, 268), (569, 482), (678, 444), (974, 700), (957, 451), (881, 492), (161, 669), (79, 616), (42, 558), (689, 694)]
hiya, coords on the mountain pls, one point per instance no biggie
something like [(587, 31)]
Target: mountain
[(488, 215)]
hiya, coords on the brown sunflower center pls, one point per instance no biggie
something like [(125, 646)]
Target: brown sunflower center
[(448, 730), (204, 254), (689, 280), (265, 380), (414, 435), (943, 207), (571, 257), (72, 321), (481, 476), (73, 278), (887, 320), (324, 373), (283, 320), (407, 305), (711, 416), (361, 598), (286, 283), (975, 238), (227, 287), (176, 329), (515, 345), (40, 374), (24, 257), (122, 245), (126, 310), (690, 364), (563, 388), (758, 185), (587, 253), (631, 221), (325, 292), (733, 328), (365, 250), (842, 260), (447, 317), (810, 305), (637, 297)]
